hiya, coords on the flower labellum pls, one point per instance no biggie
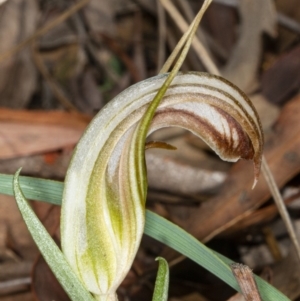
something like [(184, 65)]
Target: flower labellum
[(103, 209)]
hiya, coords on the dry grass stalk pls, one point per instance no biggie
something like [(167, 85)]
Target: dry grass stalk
[(246, 281)]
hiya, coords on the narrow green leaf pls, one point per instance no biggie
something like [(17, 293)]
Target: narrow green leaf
[(162, 281), (181, 241), (156, 227), (47, 246), (34, 188)]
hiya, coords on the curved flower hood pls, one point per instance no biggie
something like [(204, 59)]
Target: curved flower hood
[(103, 209)]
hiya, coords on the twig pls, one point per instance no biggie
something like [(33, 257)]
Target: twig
[(188, 13), (162, 33), (61, 18), (211, 45), (186, 41), (15, 282), (199, 48), (280, 204), (246, 281), (288, 22), (138, 49), (258, 217), (12, 286)]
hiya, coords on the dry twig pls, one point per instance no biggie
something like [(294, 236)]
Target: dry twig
[(246, 281), (162, 32), (199, 48)]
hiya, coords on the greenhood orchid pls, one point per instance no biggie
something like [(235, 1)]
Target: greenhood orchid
[(103, 205), (103, 208)]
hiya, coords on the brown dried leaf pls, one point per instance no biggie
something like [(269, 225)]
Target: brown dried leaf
[(44, 283), (18, 75), (171, 174), (222, 21), (257, 17), (282, 80), (19, 239), (50, 165), (25, 296), (23, 133)]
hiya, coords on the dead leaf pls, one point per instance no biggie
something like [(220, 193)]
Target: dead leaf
[(256, 17), (18, 20), (222, 20), (15, 270), (176, 171), (20, 240), (167, 173), (281, 81), (25, 296), (23, 133), (44, 283), (261, 216), (39, 165)]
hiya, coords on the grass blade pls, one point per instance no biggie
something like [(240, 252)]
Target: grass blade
[(34, 188), (156, 227), (50, 251), (178, 239)]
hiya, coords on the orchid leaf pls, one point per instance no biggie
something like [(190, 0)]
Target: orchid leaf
[(162, 281), (156, 227), (48, 248)]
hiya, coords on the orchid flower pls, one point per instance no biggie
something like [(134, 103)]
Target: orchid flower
[(103, 209), (103, 206)]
